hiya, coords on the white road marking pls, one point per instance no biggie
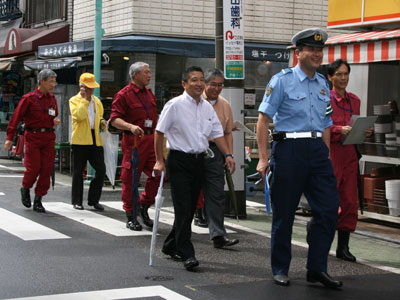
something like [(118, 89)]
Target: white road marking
[(166, 216), (128, 293), (26, 229), (2, 194), (254, 204), (92, 219), (11, 176)]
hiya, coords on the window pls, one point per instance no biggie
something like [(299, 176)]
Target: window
[(43, 11), (9, 10)]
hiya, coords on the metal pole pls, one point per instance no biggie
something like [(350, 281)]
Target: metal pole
[(98, 33)]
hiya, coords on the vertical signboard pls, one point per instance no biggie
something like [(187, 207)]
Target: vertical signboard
[(233, 39)]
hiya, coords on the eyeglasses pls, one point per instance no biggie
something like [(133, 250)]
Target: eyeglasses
[(214, 84), (341, 74)]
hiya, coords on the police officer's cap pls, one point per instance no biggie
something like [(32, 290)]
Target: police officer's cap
[(313, 37)]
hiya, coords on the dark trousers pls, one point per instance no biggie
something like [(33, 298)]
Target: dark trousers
[(185, 173), (302, 166), (81, 154), (214, 195)]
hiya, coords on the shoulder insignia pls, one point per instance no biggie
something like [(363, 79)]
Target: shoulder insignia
[(323, 92), (269, 91), (329, 110)]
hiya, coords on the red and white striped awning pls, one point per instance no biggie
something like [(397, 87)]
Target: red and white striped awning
[(361, 47)]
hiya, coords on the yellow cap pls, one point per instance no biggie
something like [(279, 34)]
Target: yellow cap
[(88, 80)]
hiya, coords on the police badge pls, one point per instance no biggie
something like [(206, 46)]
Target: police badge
[(269, 91), (323, 92)]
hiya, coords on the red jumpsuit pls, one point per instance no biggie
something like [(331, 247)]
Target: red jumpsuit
[(33, 108), (133, 106), (344, 159)]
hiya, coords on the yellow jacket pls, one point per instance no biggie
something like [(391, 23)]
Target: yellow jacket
[(81, 131)]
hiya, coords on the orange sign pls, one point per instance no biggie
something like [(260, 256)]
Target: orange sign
[(345, 13)]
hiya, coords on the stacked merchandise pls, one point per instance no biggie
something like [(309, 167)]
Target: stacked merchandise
[(392, 190)]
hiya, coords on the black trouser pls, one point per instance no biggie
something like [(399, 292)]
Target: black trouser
[(185, 173), (95, 155)]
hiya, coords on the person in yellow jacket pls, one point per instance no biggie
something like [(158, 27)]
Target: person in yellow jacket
[(87, 118)]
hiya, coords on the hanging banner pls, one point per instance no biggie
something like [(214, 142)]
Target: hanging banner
[(233, 39)]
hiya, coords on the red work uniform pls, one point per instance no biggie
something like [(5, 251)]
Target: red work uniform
[(38, 112), (135, 106), (344, 159)]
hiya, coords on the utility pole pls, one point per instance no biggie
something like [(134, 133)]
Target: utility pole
[(234, 92)]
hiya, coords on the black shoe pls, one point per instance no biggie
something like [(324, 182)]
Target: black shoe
[(345, 254), (223, 241), (282, 280), (175, 256), (26, 197), (134, 225), (199, 219), (190, 263), (37, 204), (323, 278), (97, 206), (78, 207), (145, 215)]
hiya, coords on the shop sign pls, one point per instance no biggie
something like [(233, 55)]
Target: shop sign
[(249, 99), (60, 50), (345, 13), (107, 75), (233, 39), (267, 54)]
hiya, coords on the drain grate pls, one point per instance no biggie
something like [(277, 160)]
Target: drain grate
[(159, 278)]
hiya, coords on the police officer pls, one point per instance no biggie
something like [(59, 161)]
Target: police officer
[(296, 100), (39, 111), (134, 111)]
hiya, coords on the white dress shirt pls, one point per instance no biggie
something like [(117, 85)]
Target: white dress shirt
[(91, 113), (188, 125)]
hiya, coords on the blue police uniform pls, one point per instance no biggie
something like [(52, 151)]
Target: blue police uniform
[(297, 103)]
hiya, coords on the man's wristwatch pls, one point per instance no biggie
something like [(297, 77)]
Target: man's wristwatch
[(228, 155)]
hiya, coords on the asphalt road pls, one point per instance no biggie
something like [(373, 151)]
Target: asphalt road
[(67, 255)]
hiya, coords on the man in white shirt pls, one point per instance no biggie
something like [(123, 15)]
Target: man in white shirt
[(188, 121)]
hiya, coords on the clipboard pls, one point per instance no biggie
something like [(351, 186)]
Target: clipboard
[(357, 132)]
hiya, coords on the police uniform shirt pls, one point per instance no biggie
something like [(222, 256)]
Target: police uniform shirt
[(188, 125), (296, 102)]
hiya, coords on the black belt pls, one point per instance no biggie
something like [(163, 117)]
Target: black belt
[(42, 129), (146, 132), (189, 155)]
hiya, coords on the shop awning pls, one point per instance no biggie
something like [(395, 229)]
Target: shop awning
[(163, 45), (361, 47), (54, 64), (6, 62)]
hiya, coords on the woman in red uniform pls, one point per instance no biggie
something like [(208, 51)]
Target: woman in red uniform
[(344, 157), (38, 109)]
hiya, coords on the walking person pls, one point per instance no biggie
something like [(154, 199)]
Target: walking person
[(188, 121), (344, 157), (214, 176), (38, 109), (297, 99), (134, 111), (87, 119)]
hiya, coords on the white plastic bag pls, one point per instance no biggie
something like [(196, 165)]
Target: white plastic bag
[(110, 145)]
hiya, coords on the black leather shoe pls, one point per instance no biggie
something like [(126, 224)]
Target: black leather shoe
[(78, 207), (323, 278), (37, 204), (175, 256), (345, 254), (26, 197), (133, 225), (190, 263), (97, 206), (199, 219), (223, 241), (282, 280), (145, 215)]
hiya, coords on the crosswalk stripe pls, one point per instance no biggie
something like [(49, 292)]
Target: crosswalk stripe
[(254, 204), (11, 176), (26, 229), (157, 291), (95, 220), (166, 216)]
